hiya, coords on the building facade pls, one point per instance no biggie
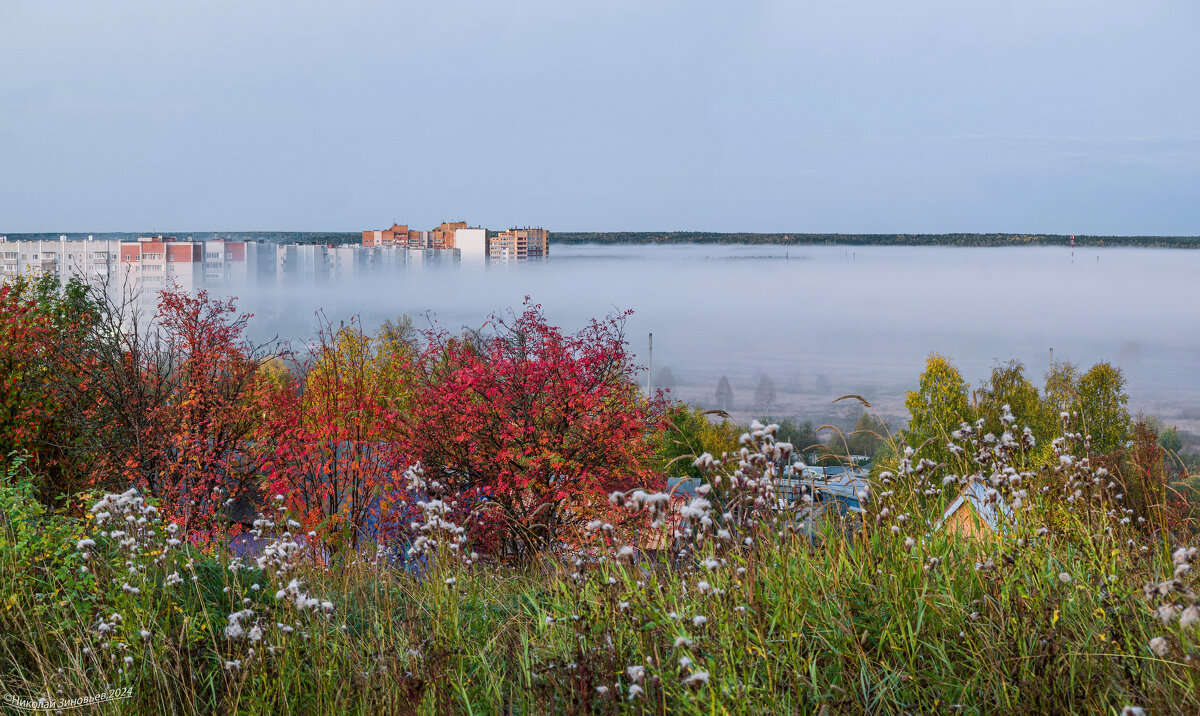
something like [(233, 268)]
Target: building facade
[(149, 264), (526, 244), (474, 243)]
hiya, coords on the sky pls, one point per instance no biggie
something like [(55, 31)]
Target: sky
[(1054, 116)]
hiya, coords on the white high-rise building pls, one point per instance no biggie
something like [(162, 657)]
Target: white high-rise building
[(472, 245)]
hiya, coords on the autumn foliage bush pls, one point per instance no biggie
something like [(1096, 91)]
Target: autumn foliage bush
[(529, 426), (542, 424)]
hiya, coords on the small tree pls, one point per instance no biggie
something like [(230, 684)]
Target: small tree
[(165, 405), (937, 407), (764, 394), (724, 395), (43, 324), (1103, 405), (688, 433), (869, 433), (329, 435), (801, 435), (540, 423), (1008, 385)]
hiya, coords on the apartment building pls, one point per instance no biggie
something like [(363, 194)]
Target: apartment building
[(154, 263), (475, 244), (527, 244), (443, 237), (472, 245), (142, 267), (151, 263), (395, 236), (92, 261)]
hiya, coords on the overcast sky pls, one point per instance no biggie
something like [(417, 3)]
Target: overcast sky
[(1065, 116)]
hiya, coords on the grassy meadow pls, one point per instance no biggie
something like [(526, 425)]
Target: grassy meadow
[(1064, 611)]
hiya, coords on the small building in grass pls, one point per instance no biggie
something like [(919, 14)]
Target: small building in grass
[(978, 513)]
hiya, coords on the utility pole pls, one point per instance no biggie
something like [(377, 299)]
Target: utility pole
[(650, 368), (1051, 357)]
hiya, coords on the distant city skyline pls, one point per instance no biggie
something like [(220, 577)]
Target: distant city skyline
[(783, 116)]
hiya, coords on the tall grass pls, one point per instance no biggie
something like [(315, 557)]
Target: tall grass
[(1066, 609)]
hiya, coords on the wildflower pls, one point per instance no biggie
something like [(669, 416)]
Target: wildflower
[(1166, 613), (549, 621), (1159, 646), (685, 663), (703, 587), (85, 544), (233, 665), (129, 661), (909, 542), (1133, 711), (699, 621), (635, 691), (636, 672), (144, 634), (602, 690), (255, 634), (696, 679), (1064, 577), (1190, 617), (682, 641)]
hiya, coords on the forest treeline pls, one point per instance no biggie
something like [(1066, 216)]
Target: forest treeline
[(979, 240), (274, 237)]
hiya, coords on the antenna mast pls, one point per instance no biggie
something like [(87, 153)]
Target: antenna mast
[(650, 368)]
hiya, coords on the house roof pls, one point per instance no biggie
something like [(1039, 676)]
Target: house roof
[(989, 510)]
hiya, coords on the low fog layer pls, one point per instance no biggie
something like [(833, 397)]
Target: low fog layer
[(820, 321)]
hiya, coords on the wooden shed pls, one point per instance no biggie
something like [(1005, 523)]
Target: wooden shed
[(978, 512)]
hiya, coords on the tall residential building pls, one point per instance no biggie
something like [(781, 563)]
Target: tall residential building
[(301, 264), (443, 237), (397, 235), (472, 245), (152, 263), (93, 261), (526, 244), (516, 244)]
